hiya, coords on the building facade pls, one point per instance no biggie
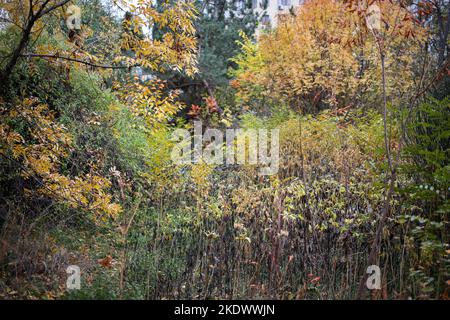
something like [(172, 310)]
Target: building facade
[(269, 11)]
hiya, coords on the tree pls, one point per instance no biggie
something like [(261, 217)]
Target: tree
[(319, 59), (32, 137), (25, 16), (176, 49)]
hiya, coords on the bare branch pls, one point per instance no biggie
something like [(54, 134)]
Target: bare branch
[(43, 12), (88, 63)]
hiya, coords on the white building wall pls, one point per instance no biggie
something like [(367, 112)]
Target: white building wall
[(269, 16)]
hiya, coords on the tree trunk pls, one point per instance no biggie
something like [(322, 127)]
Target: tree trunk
[(6, 72)]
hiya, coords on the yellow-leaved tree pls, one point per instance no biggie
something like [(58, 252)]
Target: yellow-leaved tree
[(40, 152), (175, 50), (318, 58)]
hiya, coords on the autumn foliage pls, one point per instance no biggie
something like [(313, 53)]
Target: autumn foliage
[(87, 179), (323, 57)]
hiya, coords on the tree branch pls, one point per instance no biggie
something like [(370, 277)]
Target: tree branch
[(43, 12), (94, 65)]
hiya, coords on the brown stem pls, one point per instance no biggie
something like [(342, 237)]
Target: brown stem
[(386, 136)]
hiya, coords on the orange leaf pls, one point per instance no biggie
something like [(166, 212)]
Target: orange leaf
[(106, 262)]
